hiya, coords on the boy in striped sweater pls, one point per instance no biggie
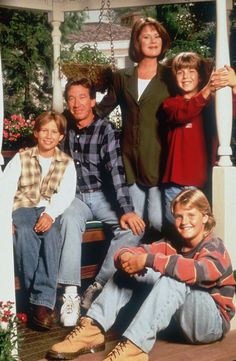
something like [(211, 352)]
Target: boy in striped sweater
[(191, 282)]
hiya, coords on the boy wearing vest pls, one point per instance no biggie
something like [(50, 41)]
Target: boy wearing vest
[(42, 182)]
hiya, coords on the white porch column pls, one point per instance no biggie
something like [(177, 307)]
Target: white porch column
[(56, 17), (7, 283), (224, 176), (1, 114), (223, 96)]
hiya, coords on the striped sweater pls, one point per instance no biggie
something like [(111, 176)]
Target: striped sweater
[(207, 267)]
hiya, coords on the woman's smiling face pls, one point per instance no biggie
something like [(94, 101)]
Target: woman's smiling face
[(150, 42)]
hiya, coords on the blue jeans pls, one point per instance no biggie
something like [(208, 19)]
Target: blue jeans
[(147, 204), (194, 310), (87, 207), (37, 256)]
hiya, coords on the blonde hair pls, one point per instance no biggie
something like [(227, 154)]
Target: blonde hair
[(194, 198)]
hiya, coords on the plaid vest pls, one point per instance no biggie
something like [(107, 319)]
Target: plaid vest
[(30, 188)]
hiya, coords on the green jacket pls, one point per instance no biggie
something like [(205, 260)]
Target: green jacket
[(139, 138)]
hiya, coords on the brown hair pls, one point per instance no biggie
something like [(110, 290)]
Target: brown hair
[(194, 198), (193, 61), (135, 53), (83, 82), (47, 117)]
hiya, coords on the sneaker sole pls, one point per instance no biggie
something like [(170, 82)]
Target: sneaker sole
[(54, 355)]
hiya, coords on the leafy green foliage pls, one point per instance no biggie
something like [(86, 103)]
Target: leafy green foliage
[(26, 49), (191, 27), (86, 54), (72, 24)]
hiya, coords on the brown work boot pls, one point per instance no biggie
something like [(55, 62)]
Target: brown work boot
[(126, 351), (86, 337), (41, 318)]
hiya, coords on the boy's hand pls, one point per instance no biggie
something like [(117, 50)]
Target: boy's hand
[(44, 223), (132, 263), (134, 222), (22, 149)]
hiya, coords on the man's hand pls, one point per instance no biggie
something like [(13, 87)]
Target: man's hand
[(44, 223), (134, 222), (132, 263)]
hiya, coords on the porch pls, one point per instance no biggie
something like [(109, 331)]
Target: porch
[(36, 345)]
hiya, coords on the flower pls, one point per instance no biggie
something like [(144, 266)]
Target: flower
[(22, 317), (15, 128), (9, 336)]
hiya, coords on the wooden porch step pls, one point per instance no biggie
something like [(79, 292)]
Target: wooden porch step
[(36, 344)]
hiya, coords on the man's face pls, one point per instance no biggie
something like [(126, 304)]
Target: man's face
[(190, 224), (80, 104)]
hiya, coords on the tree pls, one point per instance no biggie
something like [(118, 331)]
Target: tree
[(27, 58), (72, 24), (191, 27), (26, 48)]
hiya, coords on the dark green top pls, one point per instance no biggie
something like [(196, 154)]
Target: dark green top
[(140, 140)]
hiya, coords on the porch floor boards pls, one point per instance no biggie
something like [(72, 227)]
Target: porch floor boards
[(36, 344)]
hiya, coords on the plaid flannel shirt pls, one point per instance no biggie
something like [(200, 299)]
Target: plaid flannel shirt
[(96, 153)]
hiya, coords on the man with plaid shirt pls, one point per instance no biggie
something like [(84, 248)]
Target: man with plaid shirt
[(102, 194)]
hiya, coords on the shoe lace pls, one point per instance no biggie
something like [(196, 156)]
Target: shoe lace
[(91, 291), (117, 350), (77, 329), (69, 304), (94, 287)]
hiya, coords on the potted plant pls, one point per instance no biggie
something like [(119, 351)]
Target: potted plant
[(87, 62)]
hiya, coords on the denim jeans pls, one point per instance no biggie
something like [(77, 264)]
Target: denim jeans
[(194, 310), (87, 207), (147, 204), (37, 256)]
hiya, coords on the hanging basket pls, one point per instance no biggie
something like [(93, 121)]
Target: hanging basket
[(99, 74)]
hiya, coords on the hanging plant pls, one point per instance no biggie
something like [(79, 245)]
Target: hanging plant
[(87, 62)]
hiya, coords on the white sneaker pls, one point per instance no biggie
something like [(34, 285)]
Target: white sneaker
[(70, 310), (90, 294)]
